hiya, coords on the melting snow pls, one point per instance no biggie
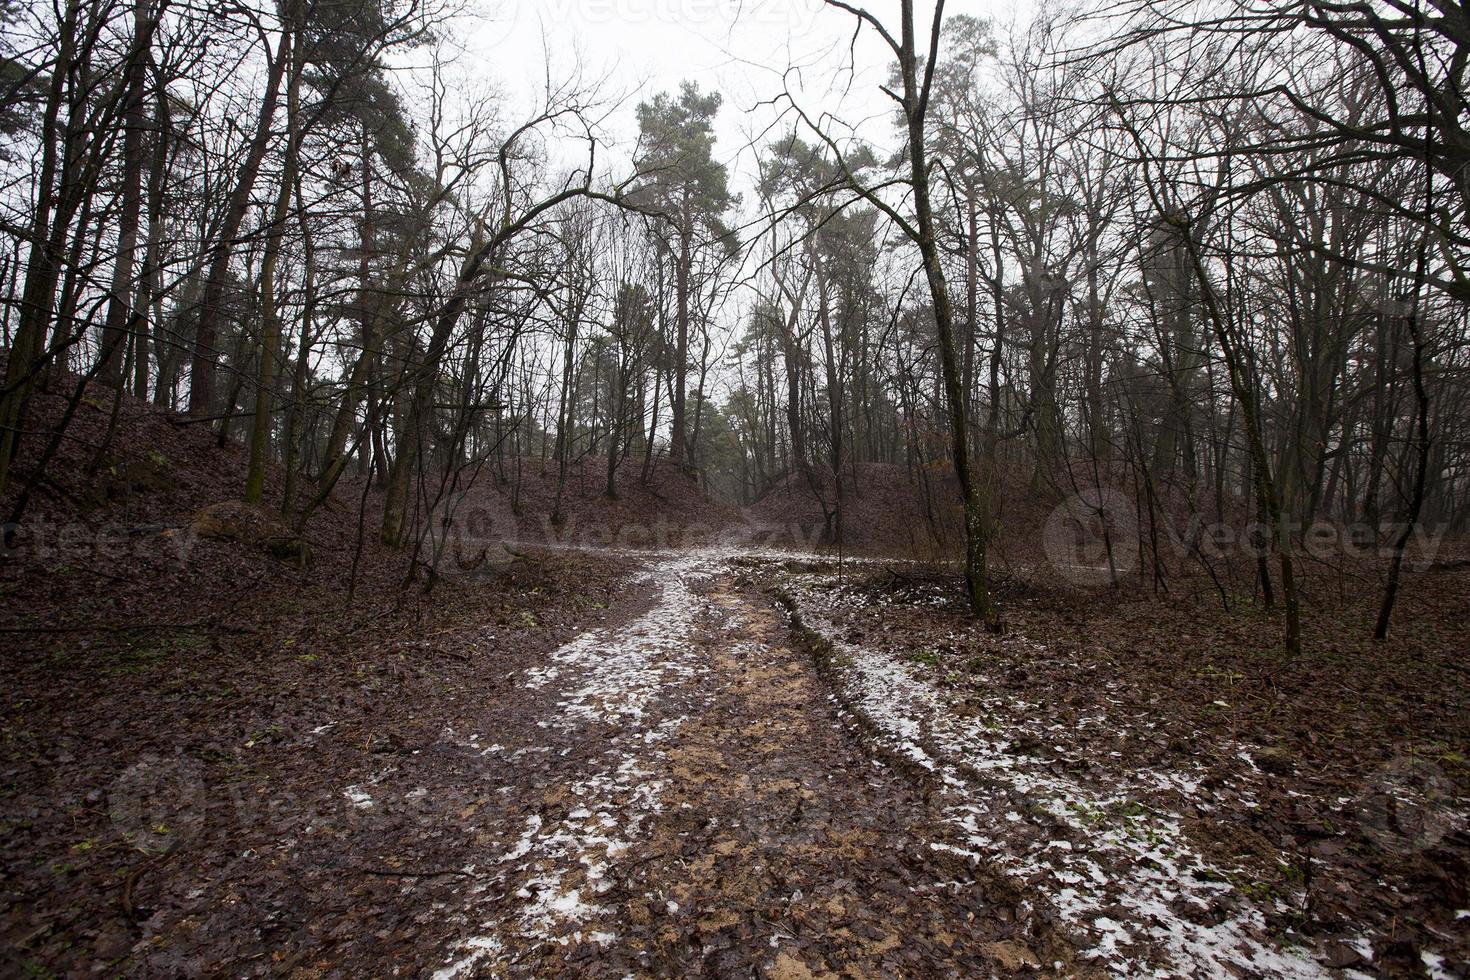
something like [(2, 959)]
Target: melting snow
[(1122, 858), (359, 797), (607, 676)]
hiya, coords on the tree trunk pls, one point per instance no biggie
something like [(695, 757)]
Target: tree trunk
[(1261, 460), (1421, 472), (201, 371), (120, 313), (681, 342), (563, 412), (43, 264), (270, 317), (291, 438), (973, 491)]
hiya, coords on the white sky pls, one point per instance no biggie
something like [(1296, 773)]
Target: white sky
[(738, 47)]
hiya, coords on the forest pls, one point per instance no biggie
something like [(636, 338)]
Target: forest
[(955, 490)]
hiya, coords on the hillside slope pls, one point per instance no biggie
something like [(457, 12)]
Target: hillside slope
[(156, 497)]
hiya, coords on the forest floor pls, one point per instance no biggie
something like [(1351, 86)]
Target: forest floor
[(1173, 793), (221, 756), (730, 763)]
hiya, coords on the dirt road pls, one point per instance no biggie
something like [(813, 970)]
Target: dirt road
[(698, 807), (624, 764)]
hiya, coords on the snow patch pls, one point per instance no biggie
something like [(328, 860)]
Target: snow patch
[(358, 797), (1126, 874), (608, 677)]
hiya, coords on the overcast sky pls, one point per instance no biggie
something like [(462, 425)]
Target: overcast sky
[(740, 47)]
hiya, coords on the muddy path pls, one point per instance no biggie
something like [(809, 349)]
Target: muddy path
[(622, 763), (693, 804)]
